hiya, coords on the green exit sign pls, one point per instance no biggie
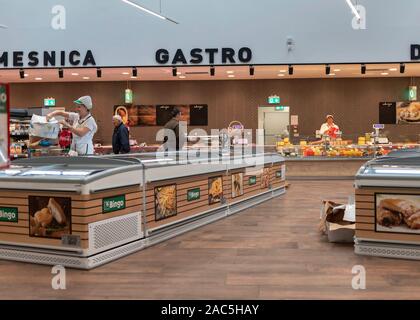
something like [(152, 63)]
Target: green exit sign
[(273, 99), (128, 96), (412, 93), (279, 108), (49, 102)]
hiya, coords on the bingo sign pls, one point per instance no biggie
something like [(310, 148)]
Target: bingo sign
[(4, 126)]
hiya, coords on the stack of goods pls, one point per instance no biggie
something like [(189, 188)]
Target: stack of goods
[(43, 135)]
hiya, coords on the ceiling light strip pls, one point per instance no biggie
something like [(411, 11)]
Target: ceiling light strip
[(149, 11), (352, 7)]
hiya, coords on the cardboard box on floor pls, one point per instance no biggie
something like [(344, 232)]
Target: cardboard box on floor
[(338, 221)]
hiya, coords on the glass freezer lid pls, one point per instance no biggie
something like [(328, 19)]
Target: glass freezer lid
[(392, 170)]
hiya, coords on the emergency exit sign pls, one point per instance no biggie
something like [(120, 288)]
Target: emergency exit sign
[(412, 93), (273, 99), (49, 102), (128, 96)]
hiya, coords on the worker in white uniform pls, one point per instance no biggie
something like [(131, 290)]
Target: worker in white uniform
[(329, 127), (82, 125)]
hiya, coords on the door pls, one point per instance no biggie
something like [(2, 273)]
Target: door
[(275, 123)]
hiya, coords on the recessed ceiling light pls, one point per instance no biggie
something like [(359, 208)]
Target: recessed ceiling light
[(230, 71), (393, 69), (281, 75), (86, 78), (26, 75), (132, 77), (282, 70), (182, 77), (38, 79), (178, 73), (337, 70), (231, 76), (125, 73), (384, 73), (332, 74), (74, 74)]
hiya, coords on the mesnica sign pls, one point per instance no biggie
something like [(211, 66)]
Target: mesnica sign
[(113, 204), (8, 214), (193, 194)]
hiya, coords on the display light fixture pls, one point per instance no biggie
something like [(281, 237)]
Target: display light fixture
[(363, 68), (134, 72), (212, 71), (402, 68), (99, 72), (327, 69), (22, 73), (290, 69), (60, 73), (251, 70), (174, 71)]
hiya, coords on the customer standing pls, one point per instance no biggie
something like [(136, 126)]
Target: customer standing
[(173, 125), (81, 124), (120, 137)]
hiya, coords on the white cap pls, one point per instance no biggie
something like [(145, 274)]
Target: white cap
[(86, 101), (117, 117)]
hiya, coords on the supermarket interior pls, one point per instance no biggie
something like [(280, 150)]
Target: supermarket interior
[(155, 154)]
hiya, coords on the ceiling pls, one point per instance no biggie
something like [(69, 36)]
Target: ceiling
[(203, 73)]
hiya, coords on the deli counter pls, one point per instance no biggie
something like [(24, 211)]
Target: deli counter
[(82, 212), (341, 159), (388, 206)]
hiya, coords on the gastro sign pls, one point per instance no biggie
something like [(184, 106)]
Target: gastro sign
[(193, 194), (207, 55), (8, 214), (113, 204)]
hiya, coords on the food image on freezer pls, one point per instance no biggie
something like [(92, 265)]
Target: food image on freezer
[(165, 202), (49, 217), (265, 178), (215, 189), (397, 213), (237, 184)]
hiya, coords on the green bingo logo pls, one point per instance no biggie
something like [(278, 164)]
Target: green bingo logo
[(113, 204), (8, 214)]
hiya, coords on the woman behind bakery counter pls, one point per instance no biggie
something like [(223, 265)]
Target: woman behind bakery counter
[(81, 124)]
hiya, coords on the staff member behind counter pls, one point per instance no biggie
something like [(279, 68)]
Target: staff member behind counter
[(329, 127), (81, 124)]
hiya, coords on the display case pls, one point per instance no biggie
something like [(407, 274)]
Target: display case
[(85, 211), (388, 206), (19, 133)]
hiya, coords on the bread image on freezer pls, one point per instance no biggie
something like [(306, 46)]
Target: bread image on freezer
[(49, 221), (57, 211), (395, 212)]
